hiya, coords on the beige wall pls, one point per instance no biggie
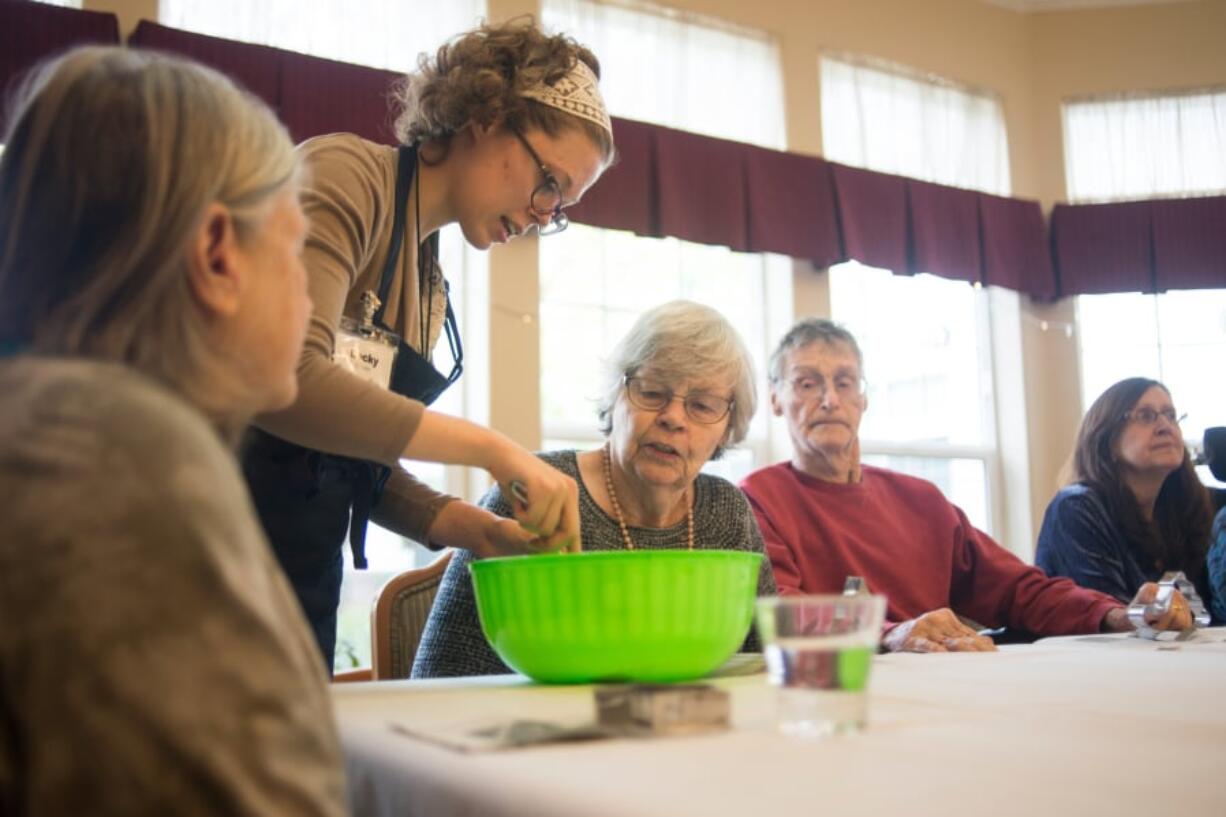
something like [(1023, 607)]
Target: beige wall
[(129, 12), (1032, 61)]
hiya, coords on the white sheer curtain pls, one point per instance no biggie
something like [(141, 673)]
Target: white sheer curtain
[(1128, 148), (1145, 147), (885, 118), (685, 72), (678, 69), (925, 339), (379, 33)]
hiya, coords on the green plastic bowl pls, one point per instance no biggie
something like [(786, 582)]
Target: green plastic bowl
[(640, 615)]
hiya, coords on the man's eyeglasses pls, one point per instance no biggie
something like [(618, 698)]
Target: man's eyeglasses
[(1147, 416), (547, 197), (809, 387), (701, 407)]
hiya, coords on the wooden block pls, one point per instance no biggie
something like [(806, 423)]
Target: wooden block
[(662, 709)]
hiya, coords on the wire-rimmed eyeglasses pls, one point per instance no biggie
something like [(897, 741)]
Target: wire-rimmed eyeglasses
[(700, 406), (547, 197)]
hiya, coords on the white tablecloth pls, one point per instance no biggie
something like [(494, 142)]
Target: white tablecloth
[(1077, 726)]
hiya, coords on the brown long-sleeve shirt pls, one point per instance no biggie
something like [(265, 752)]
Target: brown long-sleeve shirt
[(349, 198)]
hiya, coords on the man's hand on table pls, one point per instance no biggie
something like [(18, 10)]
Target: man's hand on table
[(937, 631), (1178, 617)]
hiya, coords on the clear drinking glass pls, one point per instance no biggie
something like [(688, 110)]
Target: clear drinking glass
[(819, 651)]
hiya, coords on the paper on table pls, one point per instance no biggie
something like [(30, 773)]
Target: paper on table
[(1200, 638), (742, 663), (493, 736)]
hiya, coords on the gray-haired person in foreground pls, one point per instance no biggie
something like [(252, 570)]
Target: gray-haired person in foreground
[(678, 389), (153, 659)]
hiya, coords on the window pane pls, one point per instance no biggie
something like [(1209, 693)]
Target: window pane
[(1178, 338), (388, 554), (1118, 339), (927, 370)]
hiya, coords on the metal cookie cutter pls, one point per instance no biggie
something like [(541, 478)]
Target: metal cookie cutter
[(855, 586), (1141, 613)]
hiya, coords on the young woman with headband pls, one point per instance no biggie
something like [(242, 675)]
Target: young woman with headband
[(500, 131)]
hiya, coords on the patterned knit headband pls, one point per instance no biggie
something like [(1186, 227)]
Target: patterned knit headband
[(577, 93)]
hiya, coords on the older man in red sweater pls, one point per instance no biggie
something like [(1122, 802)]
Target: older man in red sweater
[(825, 516)]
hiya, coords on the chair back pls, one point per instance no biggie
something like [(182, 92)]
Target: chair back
[(399, 617)]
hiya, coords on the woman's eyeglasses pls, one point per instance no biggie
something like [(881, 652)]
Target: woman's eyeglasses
[(701, 407), (1147, 416), (547, 197)]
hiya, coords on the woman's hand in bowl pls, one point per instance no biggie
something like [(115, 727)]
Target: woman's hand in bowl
[(543, 499), (486, 534)]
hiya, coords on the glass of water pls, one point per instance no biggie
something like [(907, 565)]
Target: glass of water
[(819, 650)]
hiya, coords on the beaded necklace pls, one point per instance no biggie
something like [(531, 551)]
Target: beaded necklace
[(607, 459)]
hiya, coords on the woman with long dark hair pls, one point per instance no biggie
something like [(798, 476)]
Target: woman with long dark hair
[(1134, 507)]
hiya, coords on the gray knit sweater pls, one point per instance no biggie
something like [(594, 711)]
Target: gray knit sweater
[(453, 644)]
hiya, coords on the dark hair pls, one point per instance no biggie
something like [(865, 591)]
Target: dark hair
[(480, 76), (1178, 536)]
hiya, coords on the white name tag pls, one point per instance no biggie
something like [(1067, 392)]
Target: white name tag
[(369, 356)]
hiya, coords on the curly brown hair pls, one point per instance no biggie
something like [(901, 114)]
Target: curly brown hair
[(1178, 536), (479, 77)]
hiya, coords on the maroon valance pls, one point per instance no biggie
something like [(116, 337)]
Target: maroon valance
[(31, 32), (1190, 243), (1103, 248), (1140, 246), (673, 183), (256, 67), (312, 95), (701, 186), (790, 205), (1015, 247), (697, 188), (944, 231), (625, 198), (326, 96), (872, 210)]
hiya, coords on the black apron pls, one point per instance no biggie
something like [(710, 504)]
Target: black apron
[(309, 501)]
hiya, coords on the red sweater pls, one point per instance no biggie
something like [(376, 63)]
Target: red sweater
[(911, 544)]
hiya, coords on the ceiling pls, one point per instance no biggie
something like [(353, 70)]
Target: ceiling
[(1027, 6)]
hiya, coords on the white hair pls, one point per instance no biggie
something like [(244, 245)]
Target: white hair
[(683, 340)]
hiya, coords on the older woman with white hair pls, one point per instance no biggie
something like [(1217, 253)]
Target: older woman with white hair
[(679, 389)]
